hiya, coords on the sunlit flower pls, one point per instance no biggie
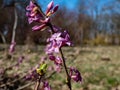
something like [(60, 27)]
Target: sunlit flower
[(56, 41)]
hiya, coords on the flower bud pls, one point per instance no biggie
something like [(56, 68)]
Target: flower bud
[(36, 28), (55, 9), (49, 7)]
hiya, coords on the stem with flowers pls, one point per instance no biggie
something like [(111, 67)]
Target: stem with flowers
[(53, 49), (63, 59)]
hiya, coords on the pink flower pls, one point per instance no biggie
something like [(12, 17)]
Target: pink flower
[(34, 15), (57, 68), (49, 7), (75, 75), (12, 47), (56, 41), (46, 85), (50, 10), (58, 60), (30, 6)]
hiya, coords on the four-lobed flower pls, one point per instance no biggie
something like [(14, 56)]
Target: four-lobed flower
[(56, 41)]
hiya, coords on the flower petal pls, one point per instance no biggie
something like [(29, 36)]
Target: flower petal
[(49, 7), (36, 28), (55, 9)]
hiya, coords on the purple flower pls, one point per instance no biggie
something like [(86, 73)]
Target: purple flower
[(46, 85), (20, 60), (75, 75), (55, 9), (61, 38), (12, 47), (66, 37), (52, 57), (38, 27), (52, 47), (34, 15), (49, 7), (57, 68), (50, 10), (56, 41), (30, 6), (32, 74), (58, 60)]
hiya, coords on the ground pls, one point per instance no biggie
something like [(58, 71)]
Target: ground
[(99, 66)]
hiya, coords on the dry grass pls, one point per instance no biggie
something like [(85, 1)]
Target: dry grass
[(99, 66)]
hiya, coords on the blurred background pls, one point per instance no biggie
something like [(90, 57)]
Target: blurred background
[(89, 22), (93, 24)]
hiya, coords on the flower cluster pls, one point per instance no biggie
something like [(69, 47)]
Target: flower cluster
[(57, 40), (34, 14)]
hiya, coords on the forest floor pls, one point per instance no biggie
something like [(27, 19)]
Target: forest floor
[(99, 66)]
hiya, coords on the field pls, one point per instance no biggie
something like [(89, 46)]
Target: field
[(99, 66)]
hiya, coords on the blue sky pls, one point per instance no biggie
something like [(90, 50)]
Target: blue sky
[(70, 4), (73, 4)]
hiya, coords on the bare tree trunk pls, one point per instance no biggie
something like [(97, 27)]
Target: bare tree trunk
[(81, 36), (3, 38), (15, 25), (13, 32)]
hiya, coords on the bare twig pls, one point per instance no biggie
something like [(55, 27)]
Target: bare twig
[(15, 25), (26, 85), (38, 83), (3, 37)]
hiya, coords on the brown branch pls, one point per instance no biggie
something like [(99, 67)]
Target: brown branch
[(65, 67), (15, 25), (38, 83), (3, 37)]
